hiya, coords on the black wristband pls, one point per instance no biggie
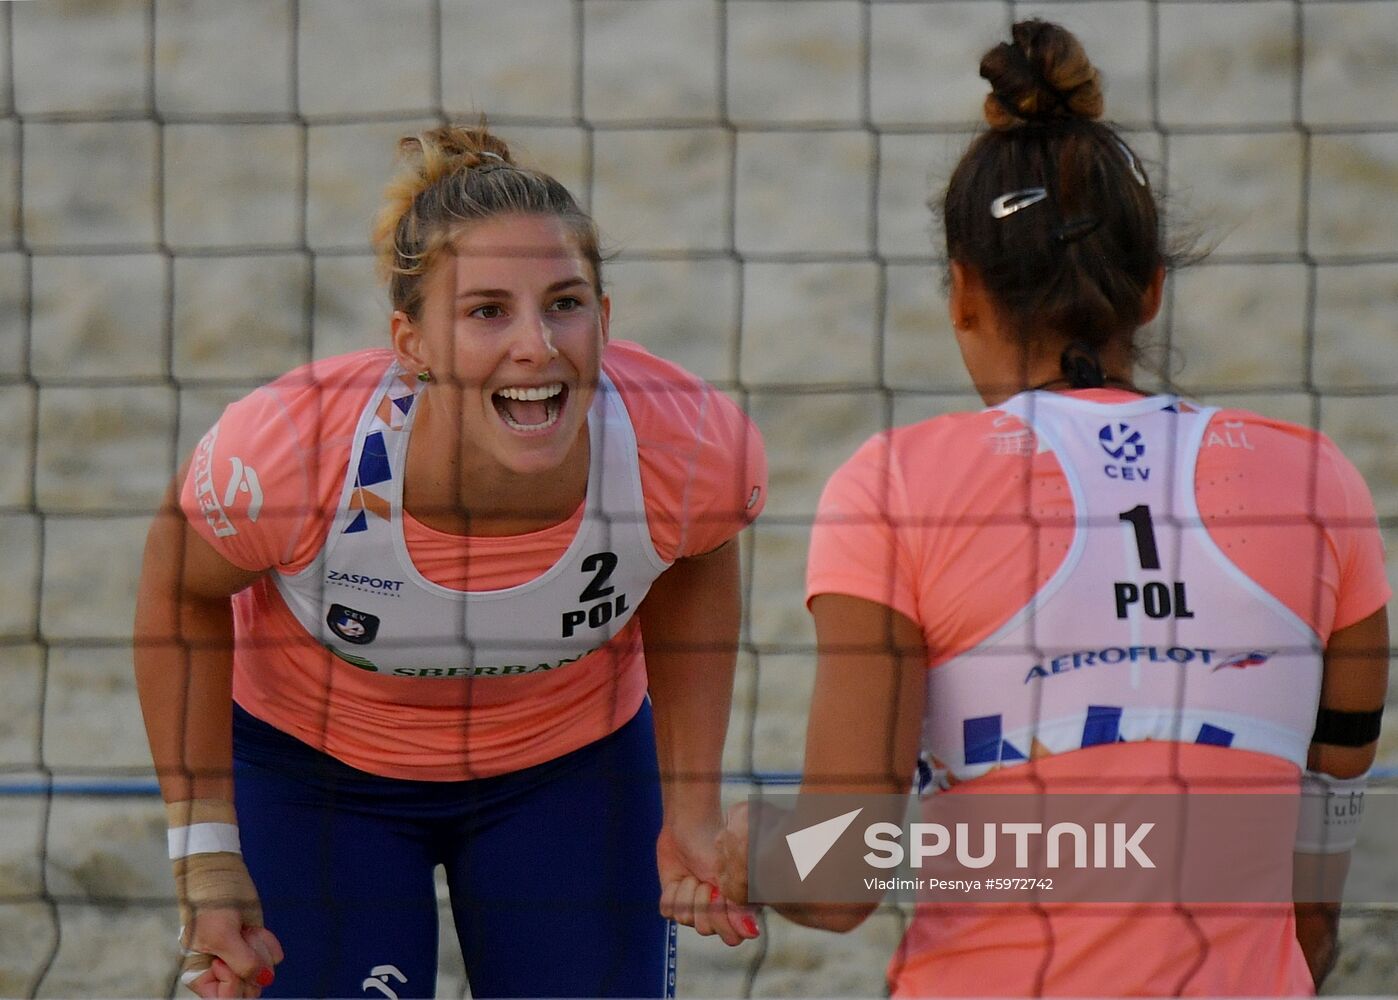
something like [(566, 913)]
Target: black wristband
[(1346, 729)]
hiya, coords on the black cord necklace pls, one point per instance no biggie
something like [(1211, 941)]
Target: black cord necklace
[(1107, 382), (1082, 369)]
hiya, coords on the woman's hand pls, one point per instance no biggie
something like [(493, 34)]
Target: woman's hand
[(689, 892), (210, 976), (227, 951), (689, 623), (732, 847)]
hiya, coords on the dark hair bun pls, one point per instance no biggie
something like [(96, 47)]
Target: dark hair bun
[(1041, 75)]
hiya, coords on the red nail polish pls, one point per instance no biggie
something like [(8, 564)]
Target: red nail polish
[(265, 976), (750, 925), (714, 895)]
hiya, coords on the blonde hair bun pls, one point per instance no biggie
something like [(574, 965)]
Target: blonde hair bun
[(448, 177)]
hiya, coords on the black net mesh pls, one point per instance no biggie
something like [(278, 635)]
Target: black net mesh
[(190, 188)]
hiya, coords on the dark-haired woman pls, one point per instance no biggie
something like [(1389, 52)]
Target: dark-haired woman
[(468, 601), (974, 577)]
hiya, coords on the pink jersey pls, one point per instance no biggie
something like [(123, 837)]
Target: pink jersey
[(271, 482), (965, 523)]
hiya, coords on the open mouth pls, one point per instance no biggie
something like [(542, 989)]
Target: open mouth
[(530, 409)]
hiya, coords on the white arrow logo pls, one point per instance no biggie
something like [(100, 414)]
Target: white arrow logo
[(244, 479), (808, 846)]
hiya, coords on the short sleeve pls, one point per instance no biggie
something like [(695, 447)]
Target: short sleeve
[(265, 481), (1363, 580), (247, 491), (728, 479), (703, 463), (855, 546)]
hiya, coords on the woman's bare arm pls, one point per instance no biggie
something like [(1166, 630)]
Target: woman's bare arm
[(1356, 680)]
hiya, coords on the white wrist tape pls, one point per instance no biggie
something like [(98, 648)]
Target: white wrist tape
[(1328, 820), (204, 838)]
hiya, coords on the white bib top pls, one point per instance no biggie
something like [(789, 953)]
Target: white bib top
[(367, 603), (1146, 631)]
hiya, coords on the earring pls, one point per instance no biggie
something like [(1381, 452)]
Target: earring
[(424, 376)]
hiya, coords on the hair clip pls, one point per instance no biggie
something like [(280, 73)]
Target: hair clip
[(1133, 163), (494, 156), (1073, 230), (1009, 204)]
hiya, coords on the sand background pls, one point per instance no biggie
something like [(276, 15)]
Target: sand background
[(184, 214)]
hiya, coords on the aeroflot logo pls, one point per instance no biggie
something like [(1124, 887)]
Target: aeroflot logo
[(1252, 658), (1109, 655)]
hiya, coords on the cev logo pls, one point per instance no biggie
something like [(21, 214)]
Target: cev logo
[(1122, 442)]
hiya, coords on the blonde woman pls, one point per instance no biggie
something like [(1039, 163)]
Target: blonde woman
[(470, 600)]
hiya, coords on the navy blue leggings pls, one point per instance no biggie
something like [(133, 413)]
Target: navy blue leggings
[(552, 871)]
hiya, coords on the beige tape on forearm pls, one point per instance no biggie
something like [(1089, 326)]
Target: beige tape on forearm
[(216, 882), (209, 879), (204, 883)]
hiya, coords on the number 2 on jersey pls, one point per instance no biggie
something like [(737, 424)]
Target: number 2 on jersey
[(598, 593), (605, 564)]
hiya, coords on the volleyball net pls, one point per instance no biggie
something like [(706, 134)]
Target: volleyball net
[(186, 206)]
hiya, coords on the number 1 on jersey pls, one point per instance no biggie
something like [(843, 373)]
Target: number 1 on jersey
[(1139, 518), (1157, 600)]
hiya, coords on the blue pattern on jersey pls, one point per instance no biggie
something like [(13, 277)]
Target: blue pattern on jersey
[(1214, 735), (983, 742), (373, 461), (1103, 725)]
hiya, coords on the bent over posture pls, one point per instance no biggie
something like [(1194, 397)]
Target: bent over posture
[(467, 601)]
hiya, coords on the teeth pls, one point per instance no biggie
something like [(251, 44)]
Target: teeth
[(532, 394), (553, 411)]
